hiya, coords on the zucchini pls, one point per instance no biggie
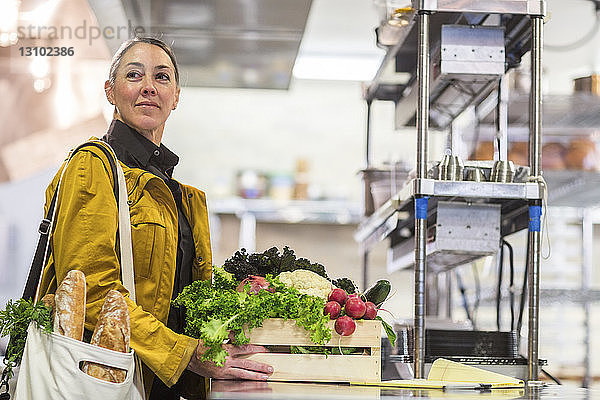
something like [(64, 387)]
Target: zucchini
[(379, 292)]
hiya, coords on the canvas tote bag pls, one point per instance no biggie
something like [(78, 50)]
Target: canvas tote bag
[(50, 368)]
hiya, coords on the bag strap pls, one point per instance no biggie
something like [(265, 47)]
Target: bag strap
[(120, 190), (125, 245), (126, 249)]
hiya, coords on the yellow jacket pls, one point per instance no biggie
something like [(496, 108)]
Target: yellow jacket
[(84, 237)]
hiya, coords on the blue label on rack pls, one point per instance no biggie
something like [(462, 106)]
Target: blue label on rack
[(421, 207), (535, 220)]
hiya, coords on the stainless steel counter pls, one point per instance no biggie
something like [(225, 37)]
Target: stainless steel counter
[(288, 391)]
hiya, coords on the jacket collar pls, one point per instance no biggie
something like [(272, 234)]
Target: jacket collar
[(136, 151)]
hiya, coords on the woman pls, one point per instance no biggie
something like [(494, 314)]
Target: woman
[(170, 236)]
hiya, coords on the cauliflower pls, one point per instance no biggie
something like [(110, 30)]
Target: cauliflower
[(306, 282)]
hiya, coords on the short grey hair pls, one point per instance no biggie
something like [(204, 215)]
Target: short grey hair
[(125, 46)]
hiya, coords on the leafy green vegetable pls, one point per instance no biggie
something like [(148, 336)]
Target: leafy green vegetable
[(242, 264), (310, 350), (223, 279), (216, 331), (214, 309), (14, 320), (388, 330), (345, 350), (346, 284), (322, 350)]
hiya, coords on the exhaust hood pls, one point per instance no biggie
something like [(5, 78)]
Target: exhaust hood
[(218, 43)]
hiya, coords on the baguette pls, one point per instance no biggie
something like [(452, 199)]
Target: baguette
[(48, 301), (69, 303), (112, 332)]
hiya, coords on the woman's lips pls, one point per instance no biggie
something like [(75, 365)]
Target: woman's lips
[(147, 104)]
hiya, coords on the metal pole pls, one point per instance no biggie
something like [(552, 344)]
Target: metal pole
[(534, 303), (587, 243), (535, 139), (502, 120), (420, 222), (535, 99), (449, 295), (423, 100), (368, 144)]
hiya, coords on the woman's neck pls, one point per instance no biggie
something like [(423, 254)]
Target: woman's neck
[(153, 135)]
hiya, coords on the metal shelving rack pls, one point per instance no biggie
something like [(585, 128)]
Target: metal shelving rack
[(446, 101), (587, 215)]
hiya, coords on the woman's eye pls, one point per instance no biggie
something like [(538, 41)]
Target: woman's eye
[(163, 76), (133, 74)]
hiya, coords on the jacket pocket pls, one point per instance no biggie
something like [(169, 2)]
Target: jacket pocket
[(148, 236)]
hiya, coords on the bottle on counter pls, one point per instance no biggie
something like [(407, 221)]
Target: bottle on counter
[(301, 180)]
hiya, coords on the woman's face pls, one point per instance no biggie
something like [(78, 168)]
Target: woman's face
[(144, 91)]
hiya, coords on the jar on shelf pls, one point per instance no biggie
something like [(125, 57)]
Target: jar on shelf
[(581, 154), (394, 17)]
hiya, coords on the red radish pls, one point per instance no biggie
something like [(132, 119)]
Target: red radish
[(355, 307), (332, 308), (257, 283), (371, 310), (338, 295), (345, 326)]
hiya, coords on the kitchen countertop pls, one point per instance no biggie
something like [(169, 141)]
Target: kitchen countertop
[(287, 391)]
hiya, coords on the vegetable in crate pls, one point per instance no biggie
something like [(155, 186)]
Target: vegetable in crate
[(379, 292), (213, 309), (345, 326), (255, 284), (333, 309), (370, 310), (242, 264), (338, 295), (306, 282), (346, 284), (355, 308)]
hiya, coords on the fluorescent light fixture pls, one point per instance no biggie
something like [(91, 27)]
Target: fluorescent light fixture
[(337, 67)]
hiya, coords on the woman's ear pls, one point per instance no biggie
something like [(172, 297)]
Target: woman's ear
[(176, 98), (108, 90)]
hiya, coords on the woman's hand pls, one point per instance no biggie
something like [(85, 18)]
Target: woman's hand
[(234, 367)]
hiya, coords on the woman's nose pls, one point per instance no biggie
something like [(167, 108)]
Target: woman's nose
[(148, 88)]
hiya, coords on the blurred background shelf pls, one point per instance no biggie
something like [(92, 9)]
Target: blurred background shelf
[(251, 211), (573, 188), (548, 296), (562, 115), (291, 211)]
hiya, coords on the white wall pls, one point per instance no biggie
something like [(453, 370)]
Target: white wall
[(219, 131), (567, 22)]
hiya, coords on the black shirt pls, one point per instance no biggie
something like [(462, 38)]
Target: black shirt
[(136, 151)]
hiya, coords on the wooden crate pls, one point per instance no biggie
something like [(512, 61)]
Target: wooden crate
[(318, 367)]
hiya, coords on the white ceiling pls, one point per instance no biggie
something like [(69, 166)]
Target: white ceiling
[(341, 27), (340, 37)]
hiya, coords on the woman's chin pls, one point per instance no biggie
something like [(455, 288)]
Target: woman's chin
[(145, 124)]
